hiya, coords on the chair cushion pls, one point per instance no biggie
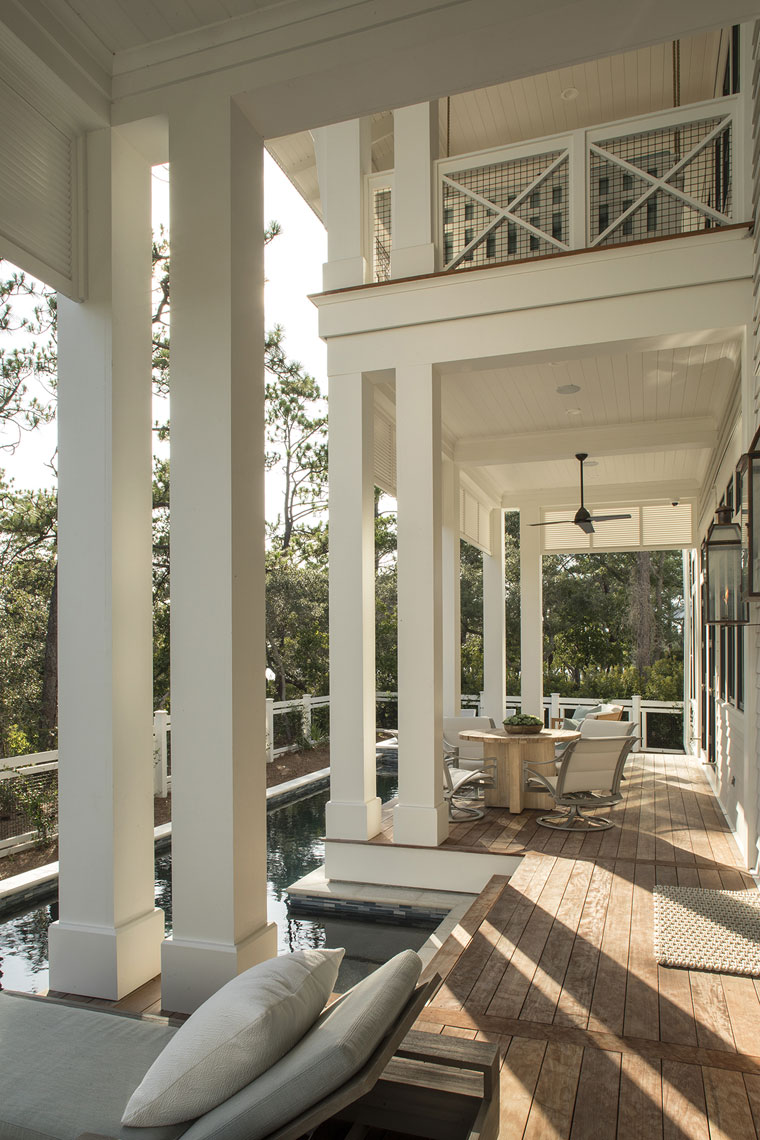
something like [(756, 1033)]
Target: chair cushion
[(234, 1037), (570, 724), (71, 1069), (595, 727), (336, 1047)]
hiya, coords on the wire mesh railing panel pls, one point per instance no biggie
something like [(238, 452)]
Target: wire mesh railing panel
[(29, 803), (382, 234), (675, 180), (507, 211)]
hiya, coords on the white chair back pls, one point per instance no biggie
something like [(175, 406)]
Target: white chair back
[(592, 728), (593, 765), (468, 749)]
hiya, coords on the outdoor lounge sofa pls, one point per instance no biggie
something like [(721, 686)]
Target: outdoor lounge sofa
[(69, 1070)]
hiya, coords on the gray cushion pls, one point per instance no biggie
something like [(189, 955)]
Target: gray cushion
[(335, 1048), (70, 1070), (570, 724), (235, 1036)]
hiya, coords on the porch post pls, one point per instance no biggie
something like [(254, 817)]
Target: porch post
[(531, 614), (415, 147), (494, 623), (217, 553), (344, 156), (354, 810), (420, 817), (450, 558), (107, 940)]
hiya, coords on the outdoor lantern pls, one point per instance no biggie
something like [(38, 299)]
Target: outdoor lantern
[(723, 571), (748, 471)]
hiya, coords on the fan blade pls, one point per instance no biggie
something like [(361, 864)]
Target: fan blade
[(586, 526), (608, 518), (553, 522)]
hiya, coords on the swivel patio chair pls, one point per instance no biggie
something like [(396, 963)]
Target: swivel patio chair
[(462, 787), (588, 778)]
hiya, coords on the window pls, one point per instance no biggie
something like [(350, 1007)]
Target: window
[(557, 226), (556, 195), (604, 187), (604, 218), (534, 241), (491, 245), (628, 223), (511, 238), (468, 236), (651, 215), (628, 182), (535, 200), (469, 211)]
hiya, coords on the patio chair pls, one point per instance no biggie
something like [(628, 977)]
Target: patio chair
[(90, 1061), (589, 777), (459, 786), (467, 753)]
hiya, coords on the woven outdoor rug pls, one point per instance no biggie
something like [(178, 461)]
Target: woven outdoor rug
[(707, 930)]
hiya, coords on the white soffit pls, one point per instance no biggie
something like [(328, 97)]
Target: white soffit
[(474, 520), (652, 526)]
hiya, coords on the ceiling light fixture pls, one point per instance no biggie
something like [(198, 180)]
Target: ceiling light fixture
[(569, 94), (574, 412), (568, 389)]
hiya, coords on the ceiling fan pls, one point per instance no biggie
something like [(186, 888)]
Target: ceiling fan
[(582, 517)]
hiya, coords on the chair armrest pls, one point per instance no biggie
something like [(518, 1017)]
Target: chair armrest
[(541, 779), (453, 1052)]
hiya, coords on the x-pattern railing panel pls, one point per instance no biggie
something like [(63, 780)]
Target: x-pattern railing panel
[(652, 147), (489, 198)]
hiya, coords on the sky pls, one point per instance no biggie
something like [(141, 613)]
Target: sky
[(293, 270)]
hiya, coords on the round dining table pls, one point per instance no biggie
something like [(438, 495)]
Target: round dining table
[(514, 752)]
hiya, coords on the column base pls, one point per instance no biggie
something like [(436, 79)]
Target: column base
[(193, 971), (420, 826), (353, 820), (106, 962), (342, 274), (413, 260)]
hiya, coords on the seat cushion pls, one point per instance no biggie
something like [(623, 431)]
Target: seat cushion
[(235, 1036), (67, 1070), (336, 1047)]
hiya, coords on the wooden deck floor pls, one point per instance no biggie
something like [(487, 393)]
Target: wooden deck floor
[(556, 964)]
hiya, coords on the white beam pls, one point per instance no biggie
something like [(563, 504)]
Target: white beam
[(531, 614), (617, 493), (494, 623), (612, 439)]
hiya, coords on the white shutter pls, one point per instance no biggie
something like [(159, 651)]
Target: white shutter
[(385, 455), (38, 193)]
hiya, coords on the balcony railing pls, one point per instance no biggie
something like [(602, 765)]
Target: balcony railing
[(670, 173)]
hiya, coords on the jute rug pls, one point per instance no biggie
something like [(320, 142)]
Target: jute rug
[(707, 930)]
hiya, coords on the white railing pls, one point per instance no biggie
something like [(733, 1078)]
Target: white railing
[(635, 708), (661, 175)]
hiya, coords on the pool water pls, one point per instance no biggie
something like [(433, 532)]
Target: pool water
[(294, 847)]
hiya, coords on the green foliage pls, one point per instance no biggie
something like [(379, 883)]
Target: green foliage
[(37, 800), (525, 719)]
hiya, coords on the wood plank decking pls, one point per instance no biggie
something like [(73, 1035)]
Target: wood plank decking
[(556, 965)]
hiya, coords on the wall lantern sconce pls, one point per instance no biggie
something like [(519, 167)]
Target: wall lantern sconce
[(748, 488), (723, 571)]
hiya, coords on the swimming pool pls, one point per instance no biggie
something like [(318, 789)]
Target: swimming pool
[(294, 847)]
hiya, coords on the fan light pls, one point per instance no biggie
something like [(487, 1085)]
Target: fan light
[(568, 389)]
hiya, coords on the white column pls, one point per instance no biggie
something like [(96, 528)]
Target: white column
[(495, 623), (107, 940), (344, 156), (452, 621), (354, 810), (415, 147), (421, 815), (531, 614), (217, 554)]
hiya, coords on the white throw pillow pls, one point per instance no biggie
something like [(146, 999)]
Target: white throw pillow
[(234, 1037)]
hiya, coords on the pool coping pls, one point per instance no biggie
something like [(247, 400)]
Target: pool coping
[(40, 883)]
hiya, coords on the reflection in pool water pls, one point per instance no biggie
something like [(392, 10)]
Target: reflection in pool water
[(294, 848)]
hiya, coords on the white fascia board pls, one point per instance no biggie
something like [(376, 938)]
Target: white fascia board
[(673, 318), (546, 283), (613, 439)]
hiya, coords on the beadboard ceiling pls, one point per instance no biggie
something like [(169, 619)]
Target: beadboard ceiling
[(616, 87)]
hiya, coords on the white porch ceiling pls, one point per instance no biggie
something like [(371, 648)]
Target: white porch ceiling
[(650, 422)]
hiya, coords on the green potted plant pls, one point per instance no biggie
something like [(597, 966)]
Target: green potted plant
[(522, 723)]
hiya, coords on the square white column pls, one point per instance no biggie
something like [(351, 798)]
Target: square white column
[(415, 148), (354, 810), (217, 554), (421, 816), (494, 623), (531, 614), (451, 595), (344, 158), (107, 939)]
